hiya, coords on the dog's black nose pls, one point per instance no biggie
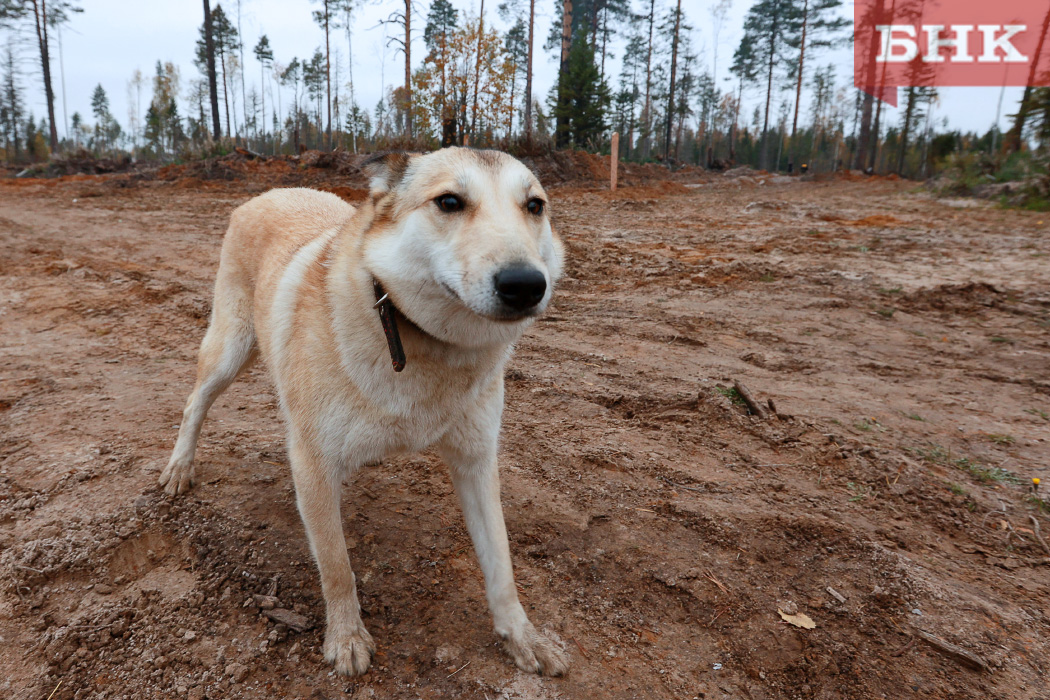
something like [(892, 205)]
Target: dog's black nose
[(520, 287)]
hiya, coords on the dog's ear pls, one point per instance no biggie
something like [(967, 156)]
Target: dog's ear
[(385, 170)]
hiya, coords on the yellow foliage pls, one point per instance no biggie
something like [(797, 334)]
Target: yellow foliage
[(444, 87)]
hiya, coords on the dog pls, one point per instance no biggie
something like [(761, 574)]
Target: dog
[(386, 329)]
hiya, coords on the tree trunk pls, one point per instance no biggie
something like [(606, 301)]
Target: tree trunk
[(1012, 143), (225, 92), (904, 131), (244, 97), (262, 90), (408, 67), (605, 39), (213, 88), (798, 85), (647, 107), (350, 65), (528, 74), (864, 140), (874, 143), (764, 157), (670, 94), (328, 75), (40, 16), (477, 72), (563, 68)]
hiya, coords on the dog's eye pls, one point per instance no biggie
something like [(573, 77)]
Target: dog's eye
[(449, 203), (535, 206)]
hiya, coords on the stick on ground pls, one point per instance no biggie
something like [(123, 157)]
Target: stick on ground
[(1038, 534), (966, 658), (754, 406)]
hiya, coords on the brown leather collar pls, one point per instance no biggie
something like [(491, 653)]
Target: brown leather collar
[(388, 317)]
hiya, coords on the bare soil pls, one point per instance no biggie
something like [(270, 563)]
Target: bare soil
[(657, 527)]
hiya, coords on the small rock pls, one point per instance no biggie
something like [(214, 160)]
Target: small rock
[(295, 621), (265, 602), (141, 503), (103, 588), (916, 611), (189, 636), (237, 672), (788, 607)]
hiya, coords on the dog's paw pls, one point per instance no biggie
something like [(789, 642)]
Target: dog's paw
[(177, 478), (349, 652), (534, 653)]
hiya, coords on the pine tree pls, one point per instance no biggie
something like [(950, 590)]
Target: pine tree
[(264, 55), (11, 106), (43, 17), (770, 29), (441, 23), (820, 29), (225, 41), (323, 18), (208, 67), (581, 98)]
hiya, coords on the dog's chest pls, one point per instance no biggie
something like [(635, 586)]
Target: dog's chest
[(380, 416)]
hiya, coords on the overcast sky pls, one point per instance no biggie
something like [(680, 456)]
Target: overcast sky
[(112, 38)]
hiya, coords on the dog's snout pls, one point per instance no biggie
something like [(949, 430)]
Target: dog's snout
[(520, 287)]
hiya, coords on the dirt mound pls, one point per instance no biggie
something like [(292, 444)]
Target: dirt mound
[(955, 298), (80, 162)]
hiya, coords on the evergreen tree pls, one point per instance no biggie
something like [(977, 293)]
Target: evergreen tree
[(226, 42), (771, 28), (264, 55), (820, 29), (581, 98), (11, 107), (437, 35)]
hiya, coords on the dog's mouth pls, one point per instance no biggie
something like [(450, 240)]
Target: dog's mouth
[(504, 315)]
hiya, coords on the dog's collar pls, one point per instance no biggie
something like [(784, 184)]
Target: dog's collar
[(388, 317)]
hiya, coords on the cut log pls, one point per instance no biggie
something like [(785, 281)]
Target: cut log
[(754, 406)]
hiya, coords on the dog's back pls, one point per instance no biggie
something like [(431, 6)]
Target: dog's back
[(266, 231)]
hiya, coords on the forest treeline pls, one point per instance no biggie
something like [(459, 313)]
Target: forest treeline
[(669, 100)]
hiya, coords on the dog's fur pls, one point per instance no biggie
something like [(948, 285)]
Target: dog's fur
[(295, 284)]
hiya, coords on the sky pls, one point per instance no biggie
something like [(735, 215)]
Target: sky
[(111, 38)]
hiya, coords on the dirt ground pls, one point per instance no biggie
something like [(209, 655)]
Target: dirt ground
[(656, 526)]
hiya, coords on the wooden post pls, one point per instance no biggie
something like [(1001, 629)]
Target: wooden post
[(614, 160)]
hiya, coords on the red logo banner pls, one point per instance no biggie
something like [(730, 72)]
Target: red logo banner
[(933, 43)]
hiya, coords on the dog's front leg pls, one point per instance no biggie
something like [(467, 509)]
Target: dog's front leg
[(470, 451), (347, 644)]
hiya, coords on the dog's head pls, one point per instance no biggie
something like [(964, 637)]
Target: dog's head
[(462, 241)]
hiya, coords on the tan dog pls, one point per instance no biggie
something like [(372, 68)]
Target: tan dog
[(460, 242)]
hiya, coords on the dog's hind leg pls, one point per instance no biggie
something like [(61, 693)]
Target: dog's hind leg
[(228, 347), (470, 451), (347, 644)]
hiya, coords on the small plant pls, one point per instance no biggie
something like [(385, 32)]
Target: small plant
[(1001, 439), (1039, 503), (915, 416), (861, 248), (957, 489), (732, 394), (982, 472), (867, 425), (1036, 412), (890, 291), (767, 278), (886, 312), (859, 492), (1001, 339)]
